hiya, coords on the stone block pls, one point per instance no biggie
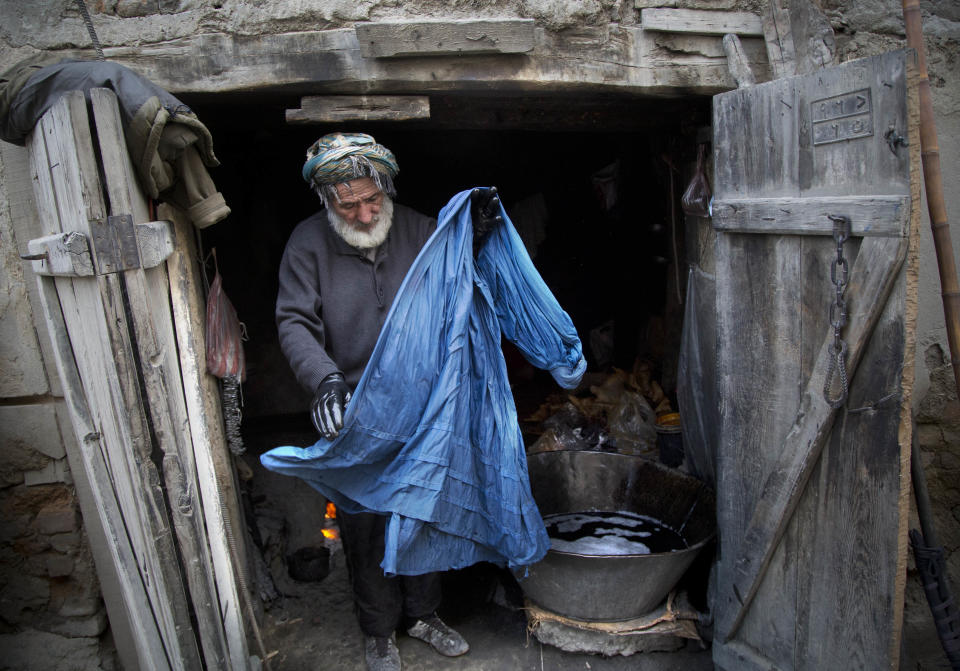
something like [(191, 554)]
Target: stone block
[(74, 598), (177, 6), (20, 357), (30, 545), (54, 471), (127, 9), (41, 651), (79, 595), (14, 526), (949, 461), (59, 565), (22, 596), (57, 517), (18, 185), (79, 627), (66, 542), (32, 428)]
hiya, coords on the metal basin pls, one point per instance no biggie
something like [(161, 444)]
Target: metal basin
[(608, 588)]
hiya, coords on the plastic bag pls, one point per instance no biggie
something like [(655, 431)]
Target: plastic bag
[(225, 358), (632, 424), (696, 199)]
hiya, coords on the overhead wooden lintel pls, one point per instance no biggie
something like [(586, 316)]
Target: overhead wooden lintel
[(324, 109), (869, 215), (705, 22), (443, 38)]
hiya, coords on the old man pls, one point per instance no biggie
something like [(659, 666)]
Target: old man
[(340, 272)]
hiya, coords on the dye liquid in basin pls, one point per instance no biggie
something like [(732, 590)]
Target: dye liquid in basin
[(610, 533)]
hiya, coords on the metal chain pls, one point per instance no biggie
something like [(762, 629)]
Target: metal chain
[(837, 360), (82, 6)]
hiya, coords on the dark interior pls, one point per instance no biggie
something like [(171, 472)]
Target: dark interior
[(619, 265), (604, 264)]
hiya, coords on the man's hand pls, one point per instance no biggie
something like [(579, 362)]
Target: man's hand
[(332, 396), (485, 212)]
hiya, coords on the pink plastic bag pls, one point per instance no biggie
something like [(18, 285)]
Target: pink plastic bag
[(224, 335)]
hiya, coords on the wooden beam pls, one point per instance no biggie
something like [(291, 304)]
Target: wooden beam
[(779, 38), (63, 254), (333, 109), (607, 58), (869, 215), (133, 626), (438, 38), (737, 61), (705, 22), (799, 38)]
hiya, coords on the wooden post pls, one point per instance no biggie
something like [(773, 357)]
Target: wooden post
[(933, 182), (737, 61)]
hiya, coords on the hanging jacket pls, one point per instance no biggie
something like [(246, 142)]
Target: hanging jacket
[(431, 437), (170, 147)]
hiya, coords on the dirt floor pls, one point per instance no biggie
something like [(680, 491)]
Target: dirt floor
[(310, 624)]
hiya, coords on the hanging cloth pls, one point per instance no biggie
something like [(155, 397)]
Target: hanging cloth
[(431, 437)]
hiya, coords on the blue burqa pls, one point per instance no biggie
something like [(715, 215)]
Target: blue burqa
[(430, 438)]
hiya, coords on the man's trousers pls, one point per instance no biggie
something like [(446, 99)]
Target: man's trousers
[(382, 604)]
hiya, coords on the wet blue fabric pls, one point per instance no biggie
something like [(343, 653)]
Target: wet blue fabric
[(431, 437)]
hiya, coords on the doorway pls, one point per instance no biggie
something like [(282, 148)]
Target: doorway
[(593, 185)]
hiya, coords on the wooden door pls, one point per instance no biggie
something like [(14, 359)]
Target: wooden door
[(130, 353), (812, 499)]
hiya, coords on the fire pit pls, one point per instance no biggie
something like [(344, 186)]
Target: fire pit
[(629, 581)]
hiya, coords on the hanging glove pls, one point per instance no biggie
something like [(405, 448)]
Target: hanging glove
[(485, 213), (332, 396)]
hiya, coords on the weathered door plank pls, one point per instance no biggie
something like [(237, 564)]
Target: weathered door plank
[(93, 312), (223, 518), (125, 594), (148, 312)]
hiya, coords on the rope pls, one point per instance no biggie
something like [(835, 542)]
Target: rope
[(93, 33)]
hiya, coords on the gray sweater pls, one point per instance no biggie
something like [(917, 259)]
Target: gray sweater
[(333, 301)]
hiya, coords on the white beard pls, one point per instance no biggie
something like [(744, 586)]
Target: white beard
[(364, 239)]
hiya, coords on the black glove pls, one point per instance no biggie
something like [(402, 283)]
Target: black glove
[(332, 396), (485, 212)]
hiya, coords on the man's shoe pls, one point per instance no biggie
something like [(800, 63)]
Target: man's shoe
[(441, 638), (381, 653)]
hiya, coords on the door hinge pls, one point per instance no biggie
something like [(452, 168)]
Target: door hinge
[(115, 244)]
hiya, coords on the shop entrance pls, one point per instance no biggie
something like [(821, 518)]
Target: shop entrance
[(593, 186)]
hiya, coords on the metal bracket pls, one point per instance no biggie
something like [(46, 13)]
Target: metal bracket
[(117, 244), (895, 140), (114, 244)]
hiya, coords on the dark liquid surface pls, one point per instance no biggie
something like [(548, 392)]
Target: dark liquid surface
[(610, 533)]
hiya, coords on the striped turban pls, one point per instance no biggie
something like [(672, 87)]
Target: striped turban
[(341, 157)]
